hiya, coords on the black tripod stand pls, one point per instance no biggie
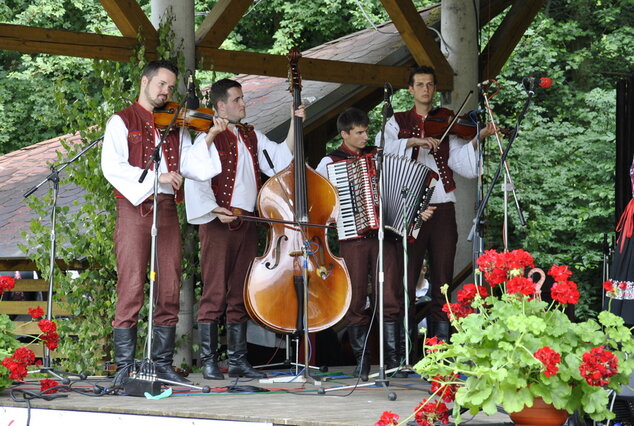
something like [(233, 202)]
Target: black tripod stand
[(53, 177), (381, 379)]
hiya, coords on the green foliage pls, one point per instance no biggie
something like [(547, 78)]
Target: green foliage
[(562, 163)]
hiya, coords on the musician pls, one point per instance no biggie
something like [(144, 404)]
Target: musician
[(360, 255), (228, 244), (129, 141), (404, 135)]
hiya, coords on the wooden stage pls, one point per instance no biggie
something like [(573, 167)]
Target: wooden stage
[(284, 403)]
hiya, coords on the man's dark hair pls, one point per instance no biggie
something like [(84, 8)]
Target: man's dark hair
[(220, 90), (152, 68), (350, 118), (423, 69)]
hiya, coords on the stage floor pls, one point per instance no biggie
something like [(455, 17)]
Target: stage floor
[(284, 403)]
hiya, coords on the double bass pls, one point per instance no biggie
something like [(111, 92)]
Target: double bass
[(298, 284)]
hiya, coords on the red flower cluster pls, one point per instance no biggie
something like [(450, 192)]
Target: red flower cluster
[(520, 285), (47, 384), (496, 266), (18, 362), (430, 412), (469, 292), (550, 359), (598, 365), (446, 392), (465, 298), (387, 418), (6, 284), (36, 313), (50, 336), (434, 341)]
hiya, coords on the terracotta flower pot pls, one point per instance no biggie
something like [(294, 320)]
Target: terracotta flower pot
[(540, 414)]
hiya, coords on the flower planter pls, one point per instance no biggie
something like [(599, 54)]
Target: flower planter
[(540, 414)]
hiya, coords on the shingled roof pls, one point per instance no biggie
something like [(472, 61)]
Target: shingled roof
[(268, 110)]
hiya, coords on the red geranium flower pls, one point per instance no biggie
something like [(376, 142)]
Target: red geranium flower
[(598, 365), (469, 292), (560, 273), (387, 418), (6, 284), (429, 412), (608, 286), (445, 391), (36, 313), (46, 384), (47, 326), (565, 292), (550, 359), (520, 285)]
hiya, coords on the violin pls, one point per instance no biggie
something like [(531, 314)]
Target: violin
[(199, 119), (439, 119)]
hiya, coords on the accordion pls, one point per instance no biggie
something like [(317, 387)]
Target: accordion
[(407, 189)]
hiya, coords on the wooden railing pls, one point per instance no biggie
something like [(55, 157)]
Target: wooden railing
[(20, 308)]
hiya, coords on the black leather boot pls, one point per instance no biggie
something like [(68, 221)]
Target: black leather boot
[(356, 335), (391, 332), (440, 329), (208, 332), (237, 352), (124, 346), (163, 353)]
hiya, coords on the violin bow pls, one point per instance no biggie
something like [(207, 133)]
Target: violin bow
[(456, 115), (507, 170)]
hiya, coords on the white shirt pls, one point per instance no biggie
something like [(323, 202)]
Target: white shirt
[(195, 163), (462, 158), (200, 200)]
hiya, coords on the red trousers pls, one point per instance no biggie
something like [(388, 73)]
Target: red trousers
[(361, 257), (132, 238), (438, 236), (225, 259)]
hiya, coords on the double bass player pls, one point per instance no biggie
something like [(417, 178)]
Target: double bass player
[(228, 244)]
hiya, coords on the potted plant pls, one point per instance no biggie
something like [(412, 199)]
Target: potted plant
[(510, 348)]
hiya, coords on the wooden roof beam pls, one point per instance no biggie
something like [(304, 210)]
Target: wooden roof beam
[(418, 39), (70, 43), (312, 68), (506, 37), (222, 19), (129, 18)]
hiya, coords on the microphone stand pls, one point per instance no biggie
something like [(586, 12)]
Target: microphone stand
[(381, 380), (54, 178), (147, 369), (483, 203)]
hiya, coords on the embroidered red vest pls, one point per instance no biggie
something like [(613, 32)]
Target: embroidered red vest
[(227, 145), (411, 126), (141, 131)]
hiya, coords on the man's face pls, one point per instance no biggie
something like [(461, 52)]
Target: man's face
[(423, 88), (157, 90), (234, 108), (356, 139)]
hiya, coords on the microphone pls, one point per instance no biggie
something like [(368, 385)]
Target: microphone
[(387, 105), (192, 100), (530, 82)]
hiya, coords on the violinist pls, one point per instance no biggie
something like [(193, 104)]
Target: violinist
[(407, 134), (229, 245), (129, 141)]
